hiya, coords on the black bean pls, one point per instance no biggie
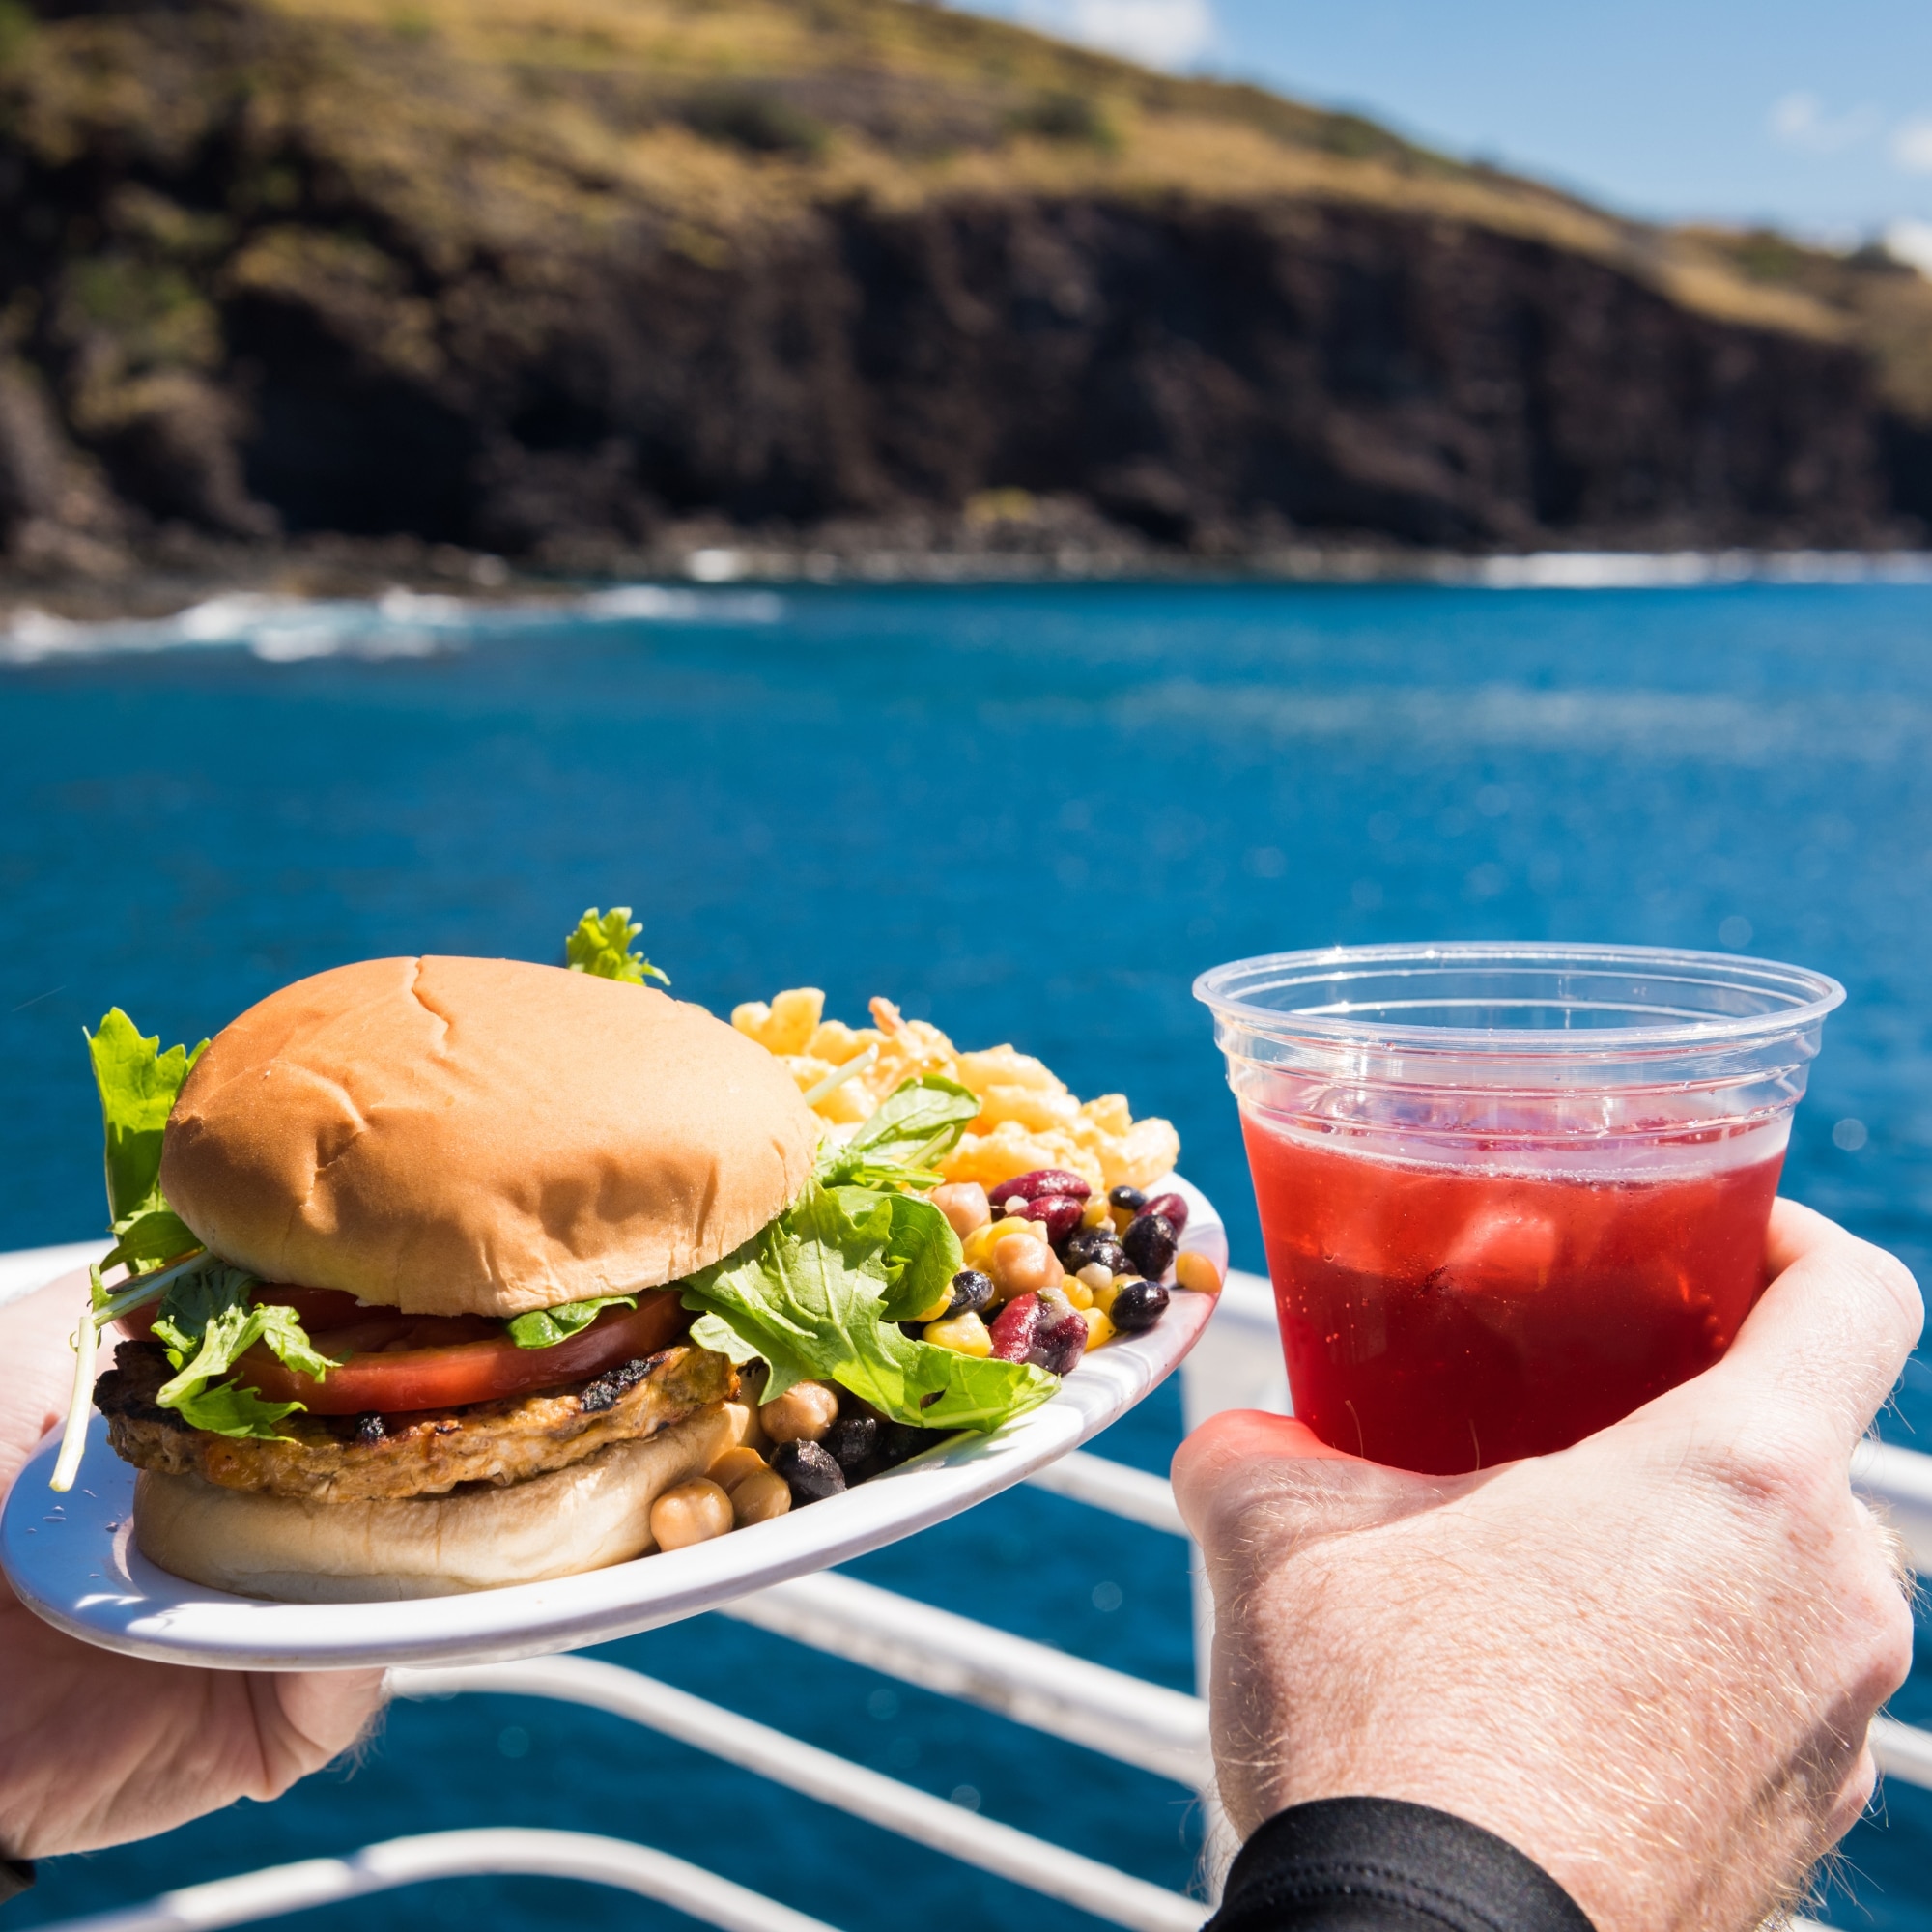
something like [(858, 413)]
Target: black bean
[(810, 1473), (1137, 1305), (1128, 1197), (851, 1440), (898, 1441), (972, 1291), (1150, 1244), (1094, 1244)]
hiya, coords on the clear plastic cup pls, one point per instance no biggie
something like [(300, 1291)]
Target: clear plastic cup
[(1509, 1193)]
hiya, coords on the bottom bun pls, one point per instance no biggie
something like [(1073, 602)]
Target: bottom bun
[(593, 1513)]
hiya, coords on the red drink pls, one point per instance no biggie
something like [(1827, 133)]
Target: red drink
[(1449, 1317)]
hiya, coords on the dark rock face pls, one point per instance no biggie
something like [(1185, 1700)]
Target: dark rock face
[(1198, 373), (1211, 377)]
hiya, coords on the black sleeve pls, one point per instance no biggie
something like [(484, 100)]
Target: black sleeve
[(1374, 1865), (16, 1876)]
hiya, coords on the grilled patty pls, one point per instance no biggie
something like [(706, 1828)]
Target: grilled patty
[(334, 1458)]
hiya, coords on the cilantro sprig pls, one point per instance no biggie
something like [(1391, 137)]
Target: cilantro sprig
[(601, 946)]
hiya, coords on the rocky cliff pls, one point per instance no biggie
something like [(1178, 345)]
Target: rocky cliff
[(569, 282)]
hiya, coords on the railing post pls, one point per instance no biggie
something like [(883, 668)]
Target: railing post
[(1237, 1364)]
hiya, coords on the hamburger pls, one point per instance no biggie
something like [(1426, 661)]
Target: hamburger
[(465, 1185), (437, 1275)]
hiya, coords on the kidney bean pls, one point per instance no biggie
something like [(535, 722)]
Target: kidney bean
[(1059, 1213), (1172, 1207), (1041, 1180), (1058, 1346), (1014, 1327), (1150, 1244)]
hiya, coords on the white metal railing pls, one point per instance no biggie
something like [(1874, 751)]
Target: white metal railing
[(1237, 1363), (934, 1821), (1121, 1717), (504, 1850)]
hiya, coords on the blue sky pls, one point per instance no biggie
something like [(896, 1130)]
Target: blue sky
[(1815, 116)]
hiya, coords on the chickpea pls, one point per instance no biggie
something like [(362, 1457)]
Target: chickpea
[(978, 1246), (1021, 1264), (964, 1205), (734, 1467), (802, 1414), (743, 1416), (693, 1511), (761, 1495)]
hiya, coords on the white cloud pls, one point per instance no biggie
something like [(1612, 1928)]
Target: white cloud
[(1799, 121), (1162, 32), (1912, 144), (1911, 241)]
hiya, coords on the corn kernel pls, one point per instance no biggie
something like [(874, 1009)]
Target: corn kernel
[(1122, 1219), (1197, 1272), (965, 1335), (940, 1305), (1095, 1211), (1077, 1292), (1099, 1328), (1103, 1297), (1096, 1276)]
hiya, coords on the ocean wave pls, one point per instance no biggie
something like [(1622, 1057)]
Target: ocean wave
[(1714, 728), (398, 624), (1688, 569)]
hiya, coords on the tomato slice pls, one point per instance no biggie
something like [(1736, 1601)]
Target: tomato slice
[(397, 1363), (319, 1309)]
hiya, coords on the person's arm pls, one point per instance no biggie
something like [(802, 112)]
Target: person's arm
[(96, 1749), (1647, 1665)]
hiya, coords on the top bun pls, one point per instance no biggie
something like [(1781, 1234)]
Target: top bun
[(481, 1136)]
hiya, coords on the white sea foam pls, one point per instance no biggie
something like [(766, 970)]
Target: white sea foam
[(1720, 728), (400, 623), (1677, 570)]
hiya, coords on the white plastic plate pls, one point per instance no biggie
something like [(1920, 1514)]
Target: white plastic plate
[(72, 1558)]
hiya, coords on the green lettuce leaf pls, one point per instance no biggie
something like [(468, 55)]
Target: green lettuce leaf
[(156, 1236), (601, 946), (811, 1295), (138, 1084), (919, 1122), (546, 1327), (207, 1323), (229, 1409)]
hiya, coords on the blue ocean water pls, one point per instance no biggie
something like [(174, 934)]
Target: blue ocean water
[(1028, 813)]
